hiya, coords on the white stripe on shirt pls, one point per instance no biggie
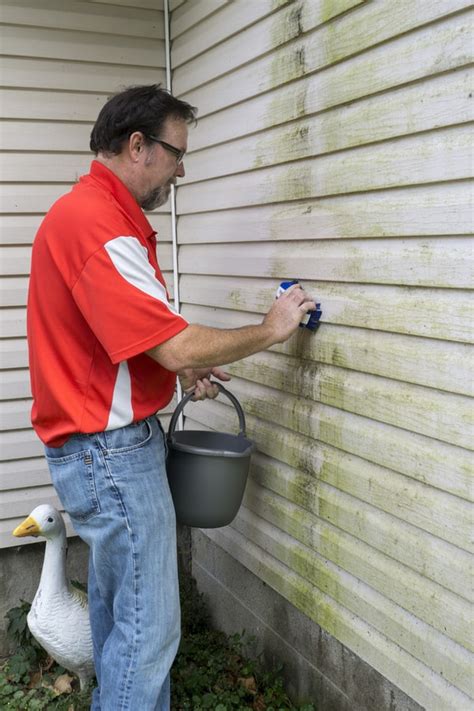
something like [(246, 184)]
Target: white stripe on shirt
[(121, 410), (130, 259)]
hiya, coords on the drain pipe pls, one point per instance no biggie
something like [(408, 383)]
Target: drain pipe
[(174, 235)]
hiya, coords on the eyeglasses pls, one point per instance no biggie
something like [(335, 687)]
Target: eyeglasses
[(172, 149)]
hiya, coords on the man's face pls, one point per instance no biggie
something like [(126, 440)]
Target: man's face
[(160, 168)]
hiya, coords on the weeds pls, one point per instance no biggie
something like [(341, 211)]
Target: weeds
[(210, 671)]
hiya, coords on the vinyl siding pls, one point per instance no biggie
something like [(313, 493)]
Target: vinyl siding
[(334, 146), (61, 61)]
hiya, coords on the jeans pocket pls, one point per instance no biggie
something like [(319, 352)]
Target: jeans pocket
[(73, 479), (128, 438)]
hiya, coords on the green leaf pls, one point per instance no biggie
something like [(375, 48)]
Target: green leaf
[(79, 586)]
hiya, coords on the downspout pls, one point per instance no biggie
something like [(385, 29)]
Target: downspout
[(174, 234)]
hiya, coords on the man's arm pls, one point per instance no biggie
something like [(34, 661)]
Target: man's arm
[(204, 347)]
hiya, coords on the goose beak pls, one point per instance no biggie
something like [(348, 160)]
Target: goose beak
[(29, 527)]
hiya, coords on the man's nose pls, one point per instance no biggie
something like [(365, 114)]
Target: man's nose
[(180, 173)]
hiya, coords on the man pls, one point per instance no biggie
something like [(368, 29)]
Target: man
[(105, 347)]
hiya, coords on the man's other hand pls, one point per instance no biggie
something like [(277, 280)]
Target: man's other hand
[(198, 380)]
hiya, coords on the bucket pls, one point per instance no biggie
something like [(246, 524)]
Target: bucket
[(207, 471)]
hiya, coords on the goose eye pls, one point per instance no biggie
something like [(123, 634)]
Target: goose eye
[(50, 519)]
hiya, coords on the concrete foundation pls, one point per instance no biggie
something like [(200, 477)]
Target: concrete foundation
[(317, 668)]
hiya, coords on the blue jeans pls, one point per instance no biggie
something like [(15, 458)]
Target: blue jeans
[(113, 485)]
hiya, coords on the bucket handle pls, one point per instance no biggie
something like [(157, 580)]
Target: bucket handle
[(225, 392)]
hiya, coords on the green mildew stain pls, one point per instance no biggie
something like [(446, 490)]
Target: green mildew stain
[(288, 62), (285, 447), (331, 473), (299, 593), (332, 432), (255, 372), (342, 36), (301, 379), (281, 146), (288, 65), (303, 461), (292, 183), (425, 318), (262, 408), (288, 26), (294, 415), (333, 393), (287, 104), (327, 10), (300, 489), (330, 540), (308, 599), (336, 356), (302, 563), (303, 490), (277, 267), (299, 346), (353, 85), (237, 299), (300, 418), (327, 618)]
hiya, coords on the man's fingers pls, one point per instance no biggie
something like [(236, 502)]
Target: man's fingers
[(299, 295), (199, 391), (221, 374), (205, 389), (292, 289), (211, 389)]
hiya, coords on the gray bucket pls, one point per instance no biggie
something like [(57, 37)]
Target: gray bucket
[(207, 471)]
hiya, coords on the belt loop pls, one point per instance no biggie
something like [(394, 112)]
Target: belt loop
[(102, 441)]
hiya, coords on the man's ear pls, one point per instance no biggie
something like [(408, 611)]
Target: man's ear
[(135, 145)]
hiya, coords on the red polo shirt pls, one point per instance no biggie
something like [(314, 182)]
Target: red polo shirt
[(97, 300)]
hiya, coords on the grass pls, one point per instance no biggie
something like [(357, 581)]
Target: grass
[(210, 671)]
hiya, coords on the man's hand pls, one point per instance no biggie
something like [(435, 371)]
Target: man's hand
[(287, 312), (198, 379)]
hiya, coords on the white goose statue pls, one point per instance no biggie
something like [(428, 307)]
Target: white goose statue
[(59, 615)]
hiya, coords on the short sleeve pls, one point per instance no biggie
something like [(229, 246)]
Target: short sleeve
[(124, 303)]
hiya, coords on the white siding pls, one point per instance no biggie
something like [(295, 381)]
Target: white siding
[(61, 61), (334, 146)]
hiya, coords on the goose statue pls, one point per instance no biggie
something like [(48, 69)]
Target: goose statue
[(59, 615)]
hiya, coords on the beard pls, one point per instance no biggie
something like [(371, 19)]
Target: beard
[(156, 198)]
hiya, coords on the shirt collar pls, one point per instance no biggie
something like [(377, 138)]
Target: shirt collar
[(112, 184)]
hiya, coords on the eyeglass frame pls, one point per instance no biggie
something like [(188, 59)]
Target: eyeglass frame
[(179, 154)]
